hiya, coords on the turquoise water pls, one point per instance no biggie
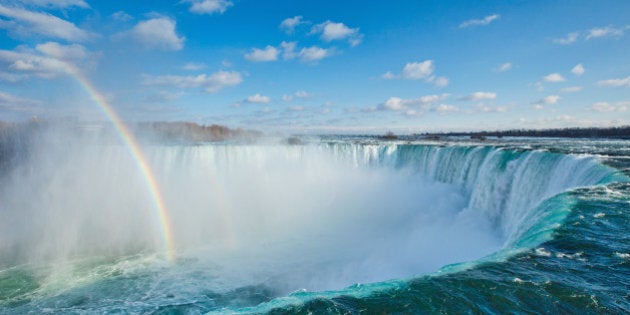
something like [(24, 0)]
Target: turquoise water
[(339, 225)]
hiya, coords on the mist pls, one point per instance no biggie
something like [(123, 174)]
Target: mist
[(293, 217)]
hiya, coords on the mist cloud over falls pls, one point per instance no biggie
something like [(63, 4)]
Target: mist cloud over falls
[(296, 216)]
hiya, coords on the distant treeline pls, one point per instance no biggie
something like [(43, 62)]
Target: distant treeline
[(612, 132), (192, 132)]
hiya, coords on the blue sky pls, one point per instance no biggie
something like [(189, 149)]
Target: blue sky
[(321, 66)]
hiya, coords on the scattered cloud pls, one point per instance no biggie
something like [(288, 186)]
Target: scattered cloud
[(63, 52), (164, 96), (47, 60), (57, 3), (624, 82), (504, 67), (269, 53), (606, 107), (395, 103), (444, 109), (314, 53), (289, 50), (607, 31), (415, 107), (567, 40), (258, 98), (388, 75), (16, 103), (23, 23), (11, 77), (210, 83), (418, 71), (289, 24), (194, 66), (296, 108), (547, 100), (551, 99), (554, 77), (337, 31), (122, 16), (578, 69), (593, 33), (571, 89), (476, 22), (157, 33), (439, 81), (483, 108), (209, 6), (298, 94), (479, 96)]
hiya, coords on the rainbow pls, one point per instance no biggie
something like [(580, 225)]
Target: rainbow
[(139, 157)]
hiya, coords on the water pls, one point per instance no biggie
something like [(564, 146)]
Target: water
[(332, 226)]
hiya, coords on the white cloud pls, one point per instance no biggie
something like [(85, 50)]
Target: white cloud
[(444, 109), (24, 23), (607, 107), (418, 105), (504, 67), (440, 81), (551, 99), (418, 70), (578, 69), (596, 32), (11, 77), (302, 94), (571, 89), (16, 103), (57, 3), (288, 50), (63, 52), (388, 75), (164, 96), (314, 53), (394, 103), (483, 108), (289, 24), (122, 16), (194, 66), (474, 22), (337, 31), (31, 63), (554, 77), (209, 6), (296, 108), (625, 82), (298, 94), (210, 83), (258, 98), (270, 53), (157, 33), (47, 60), (479, 96), (607, 31), (547, 100), (569, 39)]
